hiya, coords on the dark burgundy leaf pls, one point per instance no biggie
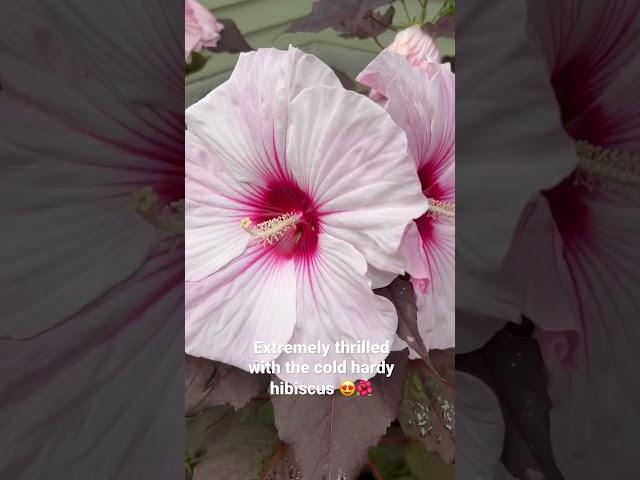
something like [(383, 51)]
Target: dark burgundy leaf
[(197, 62), (231, 40), (401, 294), (332, 435), (230, 445), (444, 362), (510, 363), (444, 27), (451, 60), (368, 5), (352, 18), (324, 14), (348, 82), (372, 25), (209, 383)]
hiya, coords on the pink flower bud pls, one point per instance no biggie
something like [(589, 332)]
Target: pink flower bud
[(415, 45), (201, 29)]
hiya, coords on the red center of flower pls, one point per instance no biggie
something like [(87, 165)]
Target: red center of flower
[(438, 195), (287, 220)]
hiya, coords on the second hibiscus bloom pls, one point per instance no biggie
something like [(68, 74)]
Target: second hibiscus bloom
[(419, 95)]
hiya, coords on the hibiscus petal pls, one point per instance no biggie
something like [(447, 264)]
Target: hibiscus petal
[(244, 121), (380, 278), (251, 299), (431, 264), (335, 303), (441, 149), (349, 155), (422, 105), (215, 205)]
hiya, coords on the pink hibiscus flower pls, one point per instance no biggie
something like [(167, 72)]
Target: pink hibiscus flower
[(293, 185), (419, 49), (421, 101), (201, 29)]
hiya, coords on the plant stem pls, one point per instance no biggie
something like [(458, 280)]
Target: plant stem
[(280, 453), (375, 20), (374, 471), (406, 10), (423, 17)]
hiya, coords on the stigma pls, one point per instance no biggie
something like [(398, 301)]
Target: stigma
[(272, 230)]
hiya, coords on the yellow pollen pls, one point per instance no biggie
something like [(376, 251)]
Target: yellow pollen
[(272, 230), (438, 208)]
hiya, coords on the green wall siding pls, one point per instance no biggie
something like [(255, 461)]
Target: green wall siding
[(263, 22)]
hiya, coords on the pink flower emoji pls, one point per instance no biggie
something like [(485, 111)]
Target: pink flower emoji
[(201, 29), (364, 388), (293, 185), (421, 101)]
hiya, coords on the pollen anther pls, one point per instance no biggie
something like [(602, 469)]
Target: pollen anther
[(272, 230), (439, 208)]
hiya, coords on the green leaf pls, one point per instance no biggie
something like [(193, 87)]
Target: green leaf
[(265, 413), (390, 460), (424, 465), (448, 8), (408, 460)]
